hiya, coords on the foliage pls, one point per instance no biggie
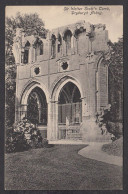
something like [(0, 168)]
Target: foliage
[(106, 125), (16, 142), (10, 75), (102, 120), (25, 135), (32, 25), (32, 108), (116, 128), (115, 80)]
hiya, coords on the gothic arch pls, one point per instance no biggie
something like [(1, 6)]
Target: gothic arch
[(29, 87), (59, 85), (65, 30), (78, 31), (101, 78)]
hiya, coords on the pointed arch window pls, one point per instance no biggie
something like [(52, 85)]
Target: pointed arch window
[(59, 43), (67, 38), (53, 46), (37, 106), (41, 48), (25, 53), (38, 48)]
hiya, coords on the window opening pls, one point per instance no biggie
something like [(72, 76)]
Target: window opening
[(59, 43), (25, 53), (67, 38), (53, 46)]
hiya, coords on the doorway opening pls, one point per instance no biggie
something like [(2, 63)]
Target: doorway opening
[(69, 111)]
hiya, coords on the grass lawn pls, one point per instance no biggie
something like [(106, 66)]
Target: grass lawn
[(59, 168)]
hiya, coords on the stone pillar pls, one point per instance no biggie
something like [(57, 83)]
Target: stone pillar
[(56, 121), (56, 50), (52, 121), (72, 45), (20, 112), (97, 93), (32, 54), (23, 111), (64, 48), (49, 124), (30, 57), (16, 97), (85, 117), (92, 90)]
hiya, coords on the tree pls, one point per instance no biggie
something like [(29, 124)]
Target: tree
[(115, 78), (114, 61), (32, 25), (10, 94), (32, 109)]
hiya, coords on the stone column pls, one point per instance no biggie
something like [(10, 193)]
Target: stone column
[(49, 124), (72, 45), (76, 46), (20, 112), (17, 115), (92, 89), (85, 117), (16, 97), (30, 57), (64, 48), (56, 121), (33, 55), (22, 56), (56, 51), (23, 111), (52, 121)]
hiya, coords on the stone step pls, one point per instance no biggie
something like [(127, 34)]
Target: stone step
[(74, 135)]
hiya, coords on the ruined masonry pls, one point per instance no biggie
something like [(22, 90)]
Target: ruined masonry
[(64, 75)]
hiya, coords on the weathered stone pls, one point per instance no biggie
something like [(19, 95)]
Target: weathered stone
[(83, 56)]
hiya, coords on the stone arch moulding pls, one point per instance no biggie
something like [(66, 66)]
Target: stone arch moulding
[(31, 39), (65, 30), (57, 88), (60, 83), (29, 87), (99, 62), (102, 85)]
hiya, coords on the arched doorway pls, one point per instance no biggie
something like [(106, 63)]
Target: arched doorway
[(37, 107), (69, 111), (34, 106)]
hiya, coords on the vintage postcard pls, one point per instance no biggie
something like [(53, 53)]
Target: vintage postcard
[(64, 97)]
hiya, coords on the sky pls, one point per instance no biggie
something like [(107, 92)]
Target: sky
[(56, 16)]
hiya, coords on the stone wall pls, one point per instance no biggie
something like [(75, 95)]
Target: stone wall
[(79, 60)]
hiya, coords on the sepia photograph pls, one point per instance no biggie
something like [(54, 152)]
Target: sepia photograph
[(63, 97)]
